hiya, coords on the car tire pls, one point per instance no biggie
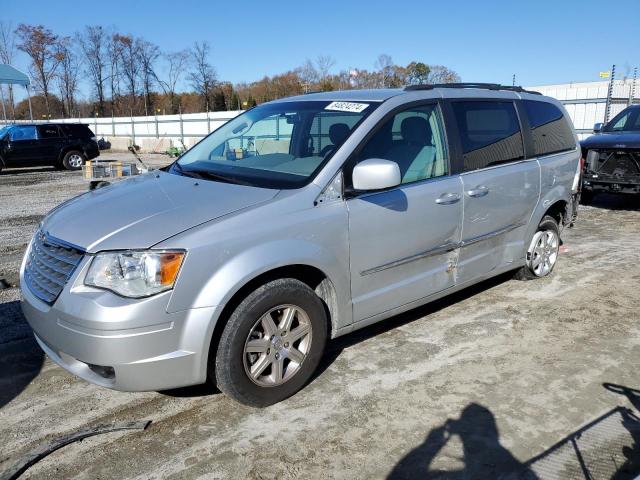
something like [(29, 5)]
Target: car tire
[(543, 250), (264, 356), (73, 160)]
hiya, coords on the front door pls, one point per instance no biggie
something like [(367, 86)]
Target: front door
[(501, 188), (403, 241), (23, 146)]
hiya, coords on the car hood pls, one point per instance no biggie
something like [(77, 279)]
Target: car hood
[(143, 211), (612, 140)]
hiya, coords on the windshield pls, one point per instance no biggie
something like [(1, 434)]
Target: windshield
[(626, 121), (280, 145), (4, 130)]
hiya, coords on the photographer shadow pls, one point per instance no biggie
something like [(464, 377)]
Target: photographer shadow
[(484, 455)]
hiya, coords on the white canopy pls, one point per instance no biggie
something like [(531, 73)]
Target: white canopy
[(12, 76)]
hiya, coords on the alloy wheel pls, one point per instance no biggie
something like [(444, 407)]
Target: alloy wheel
[(277, 345), (75, 161), (543, 252)]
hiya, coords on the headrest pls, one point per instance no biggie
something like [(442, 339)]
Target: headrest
[(416, 130), (338, 133)]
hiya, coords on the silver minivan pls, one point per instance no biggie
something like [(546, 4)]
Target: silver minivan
[(298, 221)]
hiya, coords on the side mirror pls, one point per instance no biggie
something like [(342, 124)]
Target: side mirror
[(597, 128), (376, 174)]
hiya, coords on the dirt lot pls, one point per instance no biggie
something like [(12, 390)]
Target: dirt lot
[(476, 386)]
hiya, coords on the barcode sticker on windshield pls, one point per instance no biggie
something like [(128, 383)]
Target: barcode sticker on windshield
[(347, 106)]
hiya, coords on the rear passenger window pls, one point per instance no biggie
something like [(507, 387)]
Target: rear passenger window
[(489, 132), (550, 129), (48, 131), (77, 130)]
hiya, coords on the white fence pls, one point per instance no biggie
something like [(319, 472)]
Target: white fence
[(154, 133), (585, 102)]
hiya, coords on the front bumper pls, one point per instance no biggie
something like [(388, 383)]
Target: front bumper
[(599, 183), (89, 331)]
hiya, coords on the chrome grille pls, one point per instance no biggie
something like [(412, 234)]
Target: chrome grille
[(49, 266)]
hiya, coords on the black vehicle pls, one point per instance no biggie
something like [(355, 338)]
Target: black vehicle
[(63, 145), (613, 156)]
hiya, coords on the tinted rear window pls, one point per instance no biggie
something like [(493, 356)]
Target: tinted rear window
[(48, 131), (489, 132), (550, 129), (77, 131)]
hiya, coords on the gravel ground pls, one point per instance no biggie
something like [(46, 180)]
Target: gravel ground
[(473, 386)]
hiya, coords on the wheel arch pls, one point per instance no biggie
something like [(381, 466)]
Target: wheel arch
[(310, 275), (558, 211), (68, 148), (554, 204)]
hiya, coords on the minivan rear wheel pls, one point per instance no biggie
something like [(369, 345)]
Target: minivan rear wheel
[(73, 160), (543, 251), (272, 343)]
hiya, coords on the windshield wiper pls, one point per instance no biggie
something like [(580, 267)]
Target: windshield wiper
[(208, 175)]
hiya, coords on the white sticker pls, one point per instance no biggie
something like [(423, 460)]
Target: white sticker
[(347, 106)]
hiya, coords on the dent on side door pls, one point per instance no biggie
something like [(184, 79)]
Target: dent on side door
[(498, 206), (403, 244)]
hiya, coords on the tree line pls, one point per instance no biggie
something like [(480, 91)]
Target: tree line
[(129, 75)]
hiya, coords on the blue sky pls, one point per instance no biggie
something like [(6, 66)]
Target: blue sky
[(541, 42)]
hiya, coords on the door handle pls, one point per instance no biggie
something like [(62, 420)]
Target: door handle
[(448, 198), (480, 191)]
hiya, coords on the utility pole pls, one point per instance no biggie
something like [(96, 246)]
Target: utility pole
[(607, 110), (632, 95)]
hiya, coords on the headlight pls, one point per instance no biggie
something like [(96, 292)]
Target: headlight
[(135, 273)]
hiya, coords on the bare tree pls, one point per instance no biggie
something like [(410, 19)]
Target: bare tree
[(202, 76), (93, 43), (442, 74), (114, 49), (308, 74), (130, 64), (175, 65), (324, 64), (7, 52), (384, 64), (67, 76), (42, 45), (148, 54)]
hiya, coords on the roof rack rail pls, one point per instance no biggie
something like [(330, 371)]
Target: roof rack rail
[(486, 86)]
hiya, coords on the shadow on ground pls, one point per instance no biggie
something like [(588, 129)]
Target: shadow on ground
[(17, 171), (336, 346), (615, 202), (607, 447), (21, 358), (483, 455)]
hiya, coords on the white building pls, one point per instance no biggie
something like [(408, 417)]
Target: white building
[(586, 102)]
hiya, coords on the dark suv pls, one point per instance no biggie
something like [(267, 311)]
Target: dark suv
[(63, 145), (613, 156)]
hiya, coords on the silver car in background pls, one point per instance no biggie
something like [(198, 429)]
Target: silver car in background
[(300, 220)]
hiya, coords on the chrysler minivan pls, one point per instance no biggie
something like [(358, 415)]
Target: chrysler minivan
[(298, 221)]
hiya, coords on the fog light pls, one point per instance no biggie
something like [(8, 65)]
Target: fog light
[(105, 372)]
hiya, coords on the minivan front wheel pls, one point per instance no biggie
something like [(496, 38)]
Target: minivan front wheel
[(73, 160), (272, 343), (543, 250)]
